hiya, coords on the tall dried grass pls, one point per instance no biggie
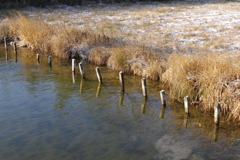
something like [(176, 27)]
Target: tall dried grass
[(42, 37), (206, 79), (33, 33), (136, 60)]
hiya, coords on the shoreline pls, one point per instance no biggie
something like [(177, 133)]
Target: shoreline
[(206, 70)]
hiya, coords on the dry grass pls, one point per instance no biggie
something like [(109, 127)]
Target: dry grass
[(206, 79), (55, 39), (99, 56), (206, 75), (136, 60), (35, 34)]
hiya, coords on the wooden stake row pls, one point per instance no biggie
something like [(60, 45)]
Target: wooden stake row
[(144, 90)]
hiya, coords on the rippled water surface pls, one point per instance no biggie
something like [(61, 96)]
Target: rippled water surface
[(47, 113)]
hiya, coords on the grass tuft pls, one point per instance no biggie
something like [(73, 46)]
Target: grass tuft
[(207, 79)]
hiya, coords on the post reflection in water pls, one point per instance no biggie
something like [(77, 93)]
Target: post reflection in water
[(162, 112), (80, 126), (73, 77), (215, 133), (16, 57), (81, 85), (185, 121), (98, 90), (143, 107), (121, 99), (6, 53)]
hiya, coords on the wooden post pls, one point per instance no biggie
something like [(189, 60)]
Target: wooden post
[(5, 43), (38, 57), (73, 65), (99, 75), (162, 94), (50, 60), (121, 79), (81, 70), (15, 47), (144, 88), (186, 104), (217, 110)]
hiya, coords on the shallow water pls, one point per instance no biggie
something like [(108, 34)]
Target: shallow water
[(45, 115)]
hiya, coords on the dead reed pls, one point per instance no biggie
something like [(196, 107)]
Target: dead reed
[(60, 40)]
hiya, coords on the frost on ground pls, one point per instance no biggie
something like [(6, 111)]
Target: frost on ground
[(177, 27)]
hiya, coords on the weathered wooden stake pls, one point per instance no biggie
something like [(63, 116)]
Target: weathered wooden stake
[(5, 43), (81, 70), (162, 94), (144, 88), (73, 65), (38, 57), (15, 47), (50, 60), (217, 110), (99, 75), (186, 104), (121, 79)]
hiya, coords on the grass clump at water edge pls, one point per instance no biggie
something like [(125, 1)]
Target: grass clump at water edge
[(206, 79)]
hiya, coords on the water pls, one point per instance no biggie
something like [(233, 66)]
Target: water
[(45, 115)]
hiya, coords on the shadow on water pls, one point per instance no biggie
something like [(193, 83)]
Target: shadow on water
[(50, 113)]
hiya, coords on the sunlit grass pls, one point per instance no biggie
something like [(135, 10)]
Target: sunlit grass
[(206, 79), (151, 43)]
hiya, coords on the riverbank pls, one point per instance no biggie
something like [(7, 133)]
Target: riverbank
[(191, 47)]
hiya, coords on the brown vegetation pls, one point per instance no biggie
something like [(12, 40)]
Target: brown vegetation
[(206, 77)]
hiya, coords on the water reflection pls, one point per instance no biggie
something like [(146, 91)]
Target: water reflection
[(162, 112), (98, 89), (81, 85), (185, 121), (174, 148), (215, 133), (73, 77), (121, 97), (48, 118), (15, 57), (143, 106)]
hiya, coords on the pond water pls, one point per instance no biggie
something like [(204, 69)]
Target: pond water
[(47, 113)]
